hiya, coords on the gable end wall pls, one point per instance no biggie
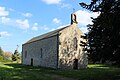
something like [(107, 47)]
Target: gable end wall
[(67, 51)]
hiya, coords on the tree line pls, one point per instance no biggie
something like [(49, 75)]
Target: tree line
[(104, 34), (9, 56)]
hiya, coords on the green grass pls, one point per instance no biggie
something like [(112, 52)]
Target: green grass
[(12, 71)]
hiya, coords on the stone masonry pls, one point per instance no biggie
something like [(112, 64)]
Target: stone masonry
[(57, 49), (46, 58), (70, 49)]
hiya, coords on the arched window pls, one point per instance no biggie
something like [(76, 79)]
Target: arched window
[(75, 43)]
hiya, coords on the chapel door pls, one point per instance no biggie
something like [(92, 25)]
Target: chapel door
[(31, 61), (75, 64)]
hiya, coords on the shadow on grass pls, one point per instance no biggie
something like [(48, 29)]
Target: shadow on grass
[(95, 72), (21, 72)]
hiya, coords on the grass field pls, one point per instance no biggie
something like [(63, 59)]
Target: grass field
[(13, 71)]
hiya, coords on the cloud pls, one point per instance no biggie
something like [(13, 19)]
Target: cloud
[(5, 20), (23, 24), (3, 12), (52, 29), (27, 14), (35, 24), (83, 29), (59, 27), (44, 27), (35, 28), (4, 34), (83, 17), (56, 21), (11, 9), (52, 1), (59, 3), (65, 5)]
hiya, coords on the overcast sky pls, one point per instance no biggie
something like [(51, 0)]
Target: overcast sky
[(20, 20)]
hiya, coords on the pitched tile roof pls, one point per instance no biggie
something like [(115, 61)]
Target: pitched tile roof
[(47, 35)]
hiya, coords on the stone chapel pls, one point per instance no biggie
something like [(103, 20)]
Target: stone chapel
[(59, 49)]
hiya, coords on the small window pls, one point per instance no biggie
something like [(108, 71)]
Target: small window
[(75, 43), (25, 54), (41, 52)]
